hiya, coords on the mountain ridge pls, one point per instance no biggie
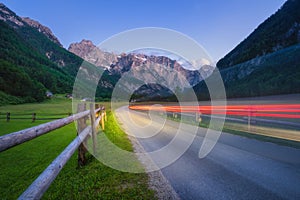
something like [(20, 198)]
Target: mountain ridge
[(157, 77), (118, 64), (280, 30), (91, 53), (267, 62), (31, 56), (43, 29), (31, 63)]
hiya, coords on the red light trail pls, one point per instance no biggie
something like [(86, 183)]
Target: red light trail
[(269, 110)]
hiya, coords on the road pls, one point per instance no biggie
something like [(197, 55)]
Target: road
[(236, 168)]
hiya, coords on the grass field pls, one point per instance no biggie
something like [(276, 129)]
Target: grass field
[(22, 164)]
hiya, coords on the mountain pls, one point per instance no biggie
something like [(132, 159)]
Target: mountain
[(16, 22), (89, 52), (119, 64), (159, 76), (267, 62), (43, 29), (31, 62), (151, 69), (272, 74), (279, 31)]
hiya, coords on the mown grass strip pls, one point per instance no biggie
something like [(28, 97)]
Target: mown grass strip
[(22, 164)]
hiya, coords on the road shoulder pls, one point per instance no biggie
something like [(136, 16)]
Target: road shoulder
[(157, 181)]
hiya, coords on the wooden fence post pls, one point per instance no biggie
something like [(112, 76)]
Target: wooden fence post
[(94, 131), (33, 117), (97, 114), (96, 107), (102, 120), (81, 124), (7, 116)]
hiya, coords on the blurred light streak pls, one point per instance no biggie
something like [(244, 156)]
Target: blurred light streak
[(266, 110)]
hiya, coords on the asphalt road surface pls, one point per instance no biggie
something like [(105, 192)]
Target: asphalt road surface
[(236, 168)]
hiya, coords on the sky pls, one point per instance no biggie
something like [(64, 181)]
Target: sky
[(217, 25)]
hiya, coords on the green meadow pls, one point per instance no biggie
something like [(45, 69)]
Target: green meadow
[(22, 164)]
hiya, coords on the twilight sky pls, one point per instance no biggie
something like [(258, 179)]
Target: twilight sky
[(218, 25)]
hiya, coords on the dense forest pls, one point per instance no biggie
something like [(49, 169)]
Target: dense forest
[(272, 74), (277, 32), (32, 64), (267, 62), (26, 73)]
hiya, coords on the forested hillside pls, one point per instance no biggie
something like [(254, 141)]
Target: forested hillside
[(272, 74), (280, 30), (267, 62), (31, 63)]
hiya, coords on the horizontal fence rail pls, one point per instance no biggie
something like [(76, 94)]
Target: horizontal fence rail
[(30, 114), (42, 183), (19, 137), (33, 116)]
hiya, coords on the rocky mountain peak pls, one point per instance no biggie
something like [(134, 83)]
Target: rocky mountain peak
[(10, 17), (16, 22), (82, 48), (87, 43), (42, 29), (139, 64), (89, 52), (149, 67)]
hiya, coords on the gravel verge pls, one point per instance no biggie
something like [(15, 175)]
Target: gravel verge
[(157, 180)]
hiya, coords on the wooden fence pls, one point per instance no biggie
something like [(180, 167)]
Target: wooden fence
[(97, 116), (8, 116)]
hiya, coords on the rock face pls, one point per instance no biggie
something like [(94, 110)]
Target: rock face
[(143, 67), (42, 29), (10, 17), (148, 68), (89, 52), (145, 76), (15, 21)]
